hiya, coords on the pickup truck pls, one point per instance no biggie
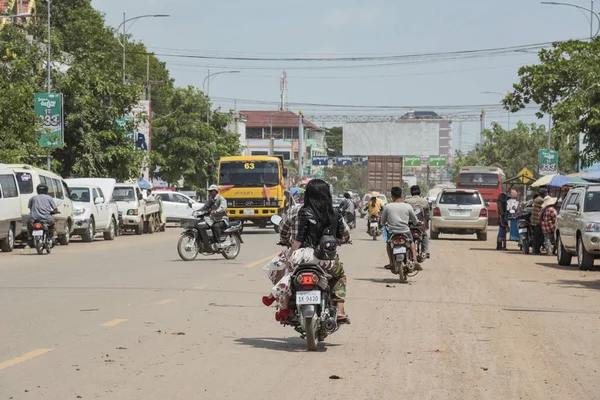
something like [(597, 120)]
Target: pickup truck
[(93, 209), (137, 213)]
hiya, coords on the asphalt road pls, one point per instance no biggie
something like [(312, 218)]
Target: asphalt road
[(128, 320)]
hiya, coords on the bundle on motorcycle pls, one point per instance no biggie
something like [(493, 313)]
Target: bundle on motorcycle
[(198, 238)]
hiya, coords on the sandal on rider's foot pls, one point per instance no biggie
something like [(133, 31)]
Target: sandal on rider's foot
[(343, 319), (389, 266), (418, 267)]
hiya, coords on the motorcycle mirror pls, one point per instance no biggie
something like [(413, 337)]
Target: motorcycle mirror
[(190, 204), (276, 219)]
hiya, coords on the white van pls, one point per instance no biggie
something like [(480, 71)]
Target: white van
[(10, 209), (28, 178)]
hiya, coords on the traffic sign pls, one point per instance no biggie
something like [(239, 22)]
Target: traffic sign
[(320, 160), (525, 175), (365, 161), (343, 161), (412, 161), (437, 161)]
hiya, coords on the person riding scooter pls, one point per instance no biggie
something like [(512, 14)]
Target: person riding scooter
[(348, 210), (218, 213), (374, 208), (421, 207), (42, 208)]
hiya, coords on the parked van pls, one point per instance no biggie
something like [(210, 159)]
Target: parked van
[(10, 209), (28, 178)]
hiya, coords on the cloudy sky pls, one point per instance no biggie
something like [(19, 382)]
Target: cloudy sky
[(335, 28)]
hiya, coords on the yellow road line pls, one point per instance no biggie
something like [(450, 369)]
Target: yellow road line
[(24, 357), (166, 301), (255, 263), (114, 322)]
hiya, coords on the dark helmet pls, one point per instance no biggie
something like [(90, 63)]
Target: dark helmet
[(347, 195), (42, 189), (415, 190)]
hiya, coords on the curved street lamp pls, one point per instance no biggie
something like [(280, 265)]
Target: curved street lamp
[(206, 87), (501, 94), (124, 43), (590, 10)]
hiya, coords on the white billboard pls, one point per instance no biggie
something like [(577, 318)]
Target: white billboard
[(391, 139)]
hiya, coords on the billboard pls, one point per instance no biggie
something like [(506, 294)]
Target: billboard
[(141, 134), (49, 108), (420, 138), (548, 162)]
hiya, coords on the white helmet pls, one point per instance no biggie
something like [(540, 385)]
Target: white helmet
[(213, 187)]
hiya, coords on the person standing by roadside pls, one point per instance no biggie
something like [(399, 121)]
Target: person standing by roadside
[(538, 234), (548, 221), (502, 221)]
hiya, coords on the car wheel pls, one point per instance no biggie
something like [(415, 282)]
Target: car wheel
[(8, 244), (89, 234), (482, 236), (111, 232), (435, 235), (584, 259), (65, 239), (563, 257)]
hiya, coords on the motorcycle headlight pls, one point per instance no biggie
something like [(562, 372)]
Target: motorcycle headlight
[(78, 212), (592, 227), (132, 212)]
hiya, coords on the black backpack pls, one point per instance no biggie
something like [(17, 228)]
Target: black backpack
[(327, 247)]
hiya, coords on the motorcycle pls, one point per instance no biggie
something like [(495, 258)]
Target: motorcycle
[(41, 237), (403, 265), (525, 232), (315, 314), (198, 238), (374, 227), (417, 235)]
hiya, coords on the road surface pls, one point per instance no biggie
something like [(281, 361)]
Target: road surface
[(128, 320)]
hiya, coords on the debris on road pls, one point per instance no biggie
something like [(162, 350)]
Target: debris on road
[(178, 333), (334, 377)]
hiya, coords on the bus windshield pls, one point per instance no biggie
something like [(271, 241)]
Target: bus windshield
[(249, 173), (476, 180)]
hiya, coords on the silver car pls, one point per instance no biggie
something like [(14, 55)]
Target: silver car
[(459, 211), (578, 227)]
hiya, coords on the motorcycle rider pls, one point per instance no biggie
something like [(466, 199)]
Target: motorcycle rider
[(42, 208), (374, 208), (218, 213), (347, 208), (417, 201), (397, 216)]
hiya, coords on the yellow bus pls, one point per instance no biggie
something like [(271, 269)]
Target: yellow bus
[(253, 187)]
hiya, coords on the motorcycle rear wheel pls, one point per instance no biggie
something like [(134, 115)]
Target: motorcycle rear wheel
[(311, 334), (525, 246), (187, 255), (39, 246), (401, 272)]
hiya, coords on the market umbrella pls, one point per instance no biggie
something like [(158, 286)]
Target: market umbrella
[(296, 190), (591, 176), (556, 181)]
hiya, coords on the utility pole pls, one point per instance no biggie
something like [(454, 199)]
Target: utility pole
[(300, 144), (49, 67), (592, 21), (208, 98), (124, 44), (482, 126)]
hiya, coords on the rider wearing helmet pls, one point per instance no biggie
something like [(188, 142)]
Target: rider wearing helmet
[(218, 212), (41, 207), (421, 207)]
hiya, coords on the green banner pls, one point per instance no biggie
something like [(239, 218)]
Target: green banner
[(412, 161), (548, 162), (437, 161), (49, 107)]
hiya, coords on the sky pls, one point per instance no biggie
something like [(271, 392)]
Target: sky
[(334, 28)]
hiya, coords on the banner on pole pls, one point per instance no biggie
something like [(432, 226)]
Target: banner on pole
[(548, 162), (49, 107)]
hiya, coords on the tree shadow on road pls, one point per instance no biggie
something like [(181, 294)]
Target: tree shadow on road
[(290, 345)]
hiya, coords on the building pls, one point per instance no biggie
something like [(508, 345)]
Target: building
[(264, 131), (14, 7)]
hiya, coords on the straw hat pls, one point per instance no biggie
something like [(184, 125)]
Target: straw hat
[(550, 201), (374, 194)]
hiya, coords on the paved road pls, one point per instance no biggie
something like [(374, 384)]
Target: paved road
[(129, 320)]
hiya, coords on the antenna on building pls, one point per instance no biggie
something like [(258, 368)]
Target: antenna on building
[(283, 106)]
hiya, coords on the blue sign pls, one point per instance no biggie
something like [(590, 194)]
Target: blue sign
[(343, 161), (320, 160), (365, 161)]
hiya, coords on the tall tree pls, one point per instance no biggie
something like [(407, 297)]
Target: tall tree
[(347, 178), (334, 137)]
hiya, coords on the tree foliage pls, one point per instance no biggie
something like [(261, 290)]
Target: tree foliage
[(343, 179), (334, 137), (565, 84), (515, 149)]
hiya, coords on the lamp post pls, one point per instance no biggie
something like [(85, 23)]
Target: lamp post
[(590, 10), (124, 43), (206, 88), (501, 94), (272, 141)]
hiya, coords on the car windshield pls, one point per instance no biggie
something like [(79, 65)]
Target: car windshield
[(469, 179), (460, 199), (124, 194), (249, 173), (80, 194), (592, 202)]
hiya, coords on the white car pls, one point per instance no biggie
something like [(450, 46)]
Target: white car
[(10, 209), (459, 211), (176, 205)]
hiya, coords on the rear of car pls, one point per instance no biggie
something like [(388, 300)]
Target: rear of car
[(10, 209), (461, 212)]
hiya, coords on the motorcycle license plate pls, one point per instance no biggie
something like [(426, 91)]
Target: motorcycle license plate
[(400, 250), (524, 230), (312, 297), (38, 233), (248, 212), (374, 224)]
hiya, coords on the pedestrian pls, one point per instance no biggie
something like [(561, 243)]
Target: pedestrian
[(538, 234), (548, 221), (502, 221)]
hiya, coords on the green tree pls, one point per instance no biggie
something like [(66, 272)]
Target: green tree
[(515, 149), (565, 85), (347, 178), (334, 138)]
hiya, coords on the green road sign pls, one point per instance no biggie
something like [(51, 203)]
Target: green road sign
[(548, 162), (412, 161), (437, 161), (49, 107)]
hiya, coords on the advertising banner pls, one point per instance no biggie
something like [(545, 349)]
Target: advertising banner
[(49, 107), (548, 162)]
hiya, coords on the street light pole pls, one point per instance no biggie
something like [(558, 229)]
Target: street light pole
[(206, 88), (48, 66), (272, 141), (501, 94), (590, 10)]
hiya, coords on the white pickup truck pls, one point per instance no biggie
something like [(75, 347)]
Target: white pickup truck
[(137, 213), (93, 209)]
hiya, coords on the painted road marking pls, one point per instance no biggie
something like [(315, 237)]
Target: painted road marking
[(200, 287), (114, 322), (264, 260), (24, 357), (166, 301)]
